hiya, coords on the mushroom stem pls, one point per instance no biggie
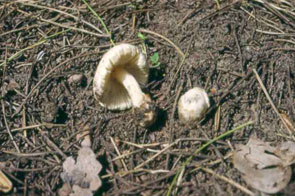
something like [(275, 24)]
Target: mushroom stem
[(131, 85)]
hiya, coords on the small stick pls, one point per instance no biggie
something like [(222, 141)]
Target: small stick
[(24, 122), (26, 28), (7, 127), (217, 118), (239, 49), (39, 125), (164, 38), (124, 173), (179, 90), (211, 163), (188, 15), (28, 169), (285, 40), (269, 32), (172, 120), (133, 189), (141, 145), (218, 153), (72, 28), (204, 146), (28, 154), (156, 155), (180, 66), (17, 54), (270, 101), (127, 154), (118, 152), (53, 145), (100, 20), (179, 180), (62, 12), (43, 78), (228, 180), (284, 49), (262, 21)]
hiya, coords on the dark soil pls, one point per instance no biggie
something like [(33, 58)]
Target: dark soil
[(43, 109)]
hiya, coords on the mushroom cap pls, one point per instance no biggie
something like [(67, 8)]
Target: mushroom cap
[(193, 105), (107, 90)]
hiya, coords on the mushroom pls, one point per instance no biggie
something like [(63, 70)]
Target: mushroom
[(118, 77), (193, 105)]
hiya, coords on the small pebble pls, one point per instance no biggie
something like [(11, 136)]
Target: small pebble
[(75, 79)]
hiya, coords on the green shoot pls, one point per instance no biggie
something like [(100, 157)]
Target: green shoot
[(141, 36), (188, 160), (100, 20), (155, 58)]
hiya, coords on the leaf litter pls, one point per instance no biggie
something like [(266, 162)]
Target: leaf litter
[(212, 38), (264, 167), (81, 177)]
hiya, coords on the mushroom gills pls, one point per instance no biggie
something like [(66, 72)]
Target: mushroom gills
[(131, 85)]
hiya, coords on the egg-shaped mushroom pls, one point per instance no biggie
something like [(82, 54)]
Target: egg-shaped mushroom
[(118, 77), (193, 105)]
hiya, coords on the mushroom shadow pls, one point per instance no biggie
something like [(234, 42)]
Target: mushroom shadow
[(211, 113), (161, 119), (105, 184), (61, 117)]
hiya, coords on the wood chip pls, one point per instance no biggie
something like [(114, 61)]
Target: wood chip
[(5, 183)]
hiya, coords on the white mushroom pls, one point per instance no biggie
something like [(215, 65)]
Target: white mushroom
[(193, 105), (117, 82)]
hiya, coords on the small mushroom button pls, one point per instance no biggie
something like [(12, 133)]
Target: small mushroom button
[(193, 105)]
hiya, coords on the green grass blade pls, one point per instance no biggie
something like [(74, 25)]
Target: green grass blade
[(202, 148), (17, 54), (100, 20)]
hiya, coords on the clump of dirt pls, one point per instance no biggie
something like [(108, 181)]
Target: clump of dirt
[(49, 52)]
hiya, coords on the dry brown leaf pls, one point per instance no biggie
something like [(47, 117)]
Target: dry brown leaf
[(265, 168), (286, 153), (82, 173), (65, 190)]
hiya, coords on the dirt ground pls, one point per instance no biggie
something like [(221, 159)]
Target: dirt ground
[(49, 53)]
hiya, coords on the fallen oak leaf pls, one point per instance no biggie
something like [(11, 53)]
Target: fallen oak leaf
[(286, 153), (263, 166), (81, 177), (252, 151)]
